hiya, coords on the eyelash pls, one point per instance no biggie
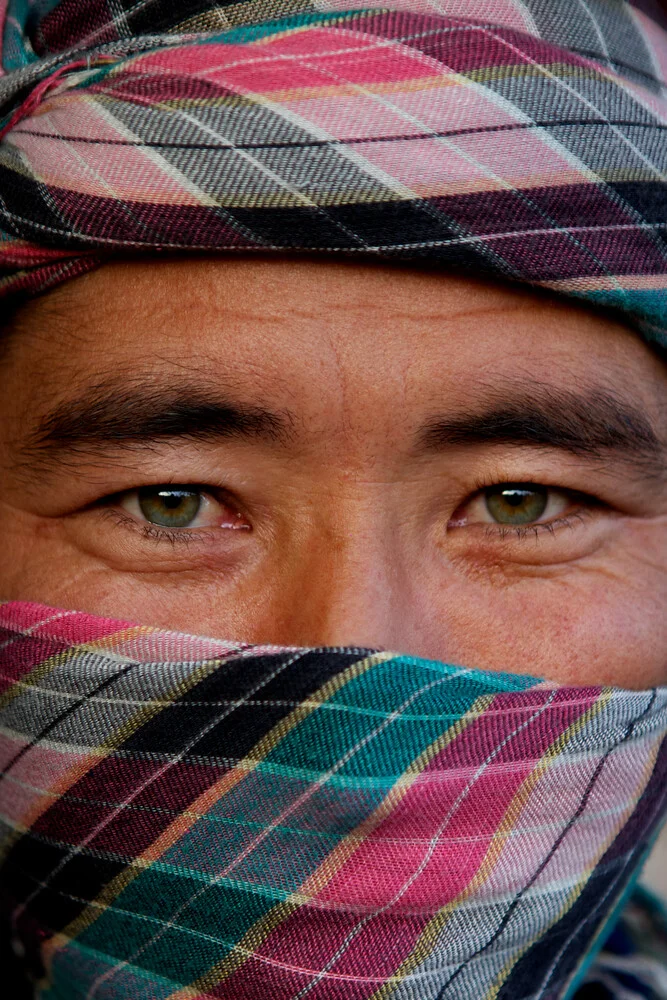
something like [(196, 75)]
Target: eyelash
[(154, 533), (522, 532), (160, 535)]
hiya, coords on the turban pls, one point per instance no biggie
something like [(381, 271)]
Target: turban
[(189, 819), (524, 140)]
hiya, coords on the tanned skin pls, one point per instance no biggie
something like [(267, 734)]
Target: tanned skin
[(339, 426)]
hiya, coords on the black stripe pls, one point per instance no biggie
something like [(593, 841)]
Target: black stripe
[(84, 874), (243, 726), (510, 988), (649, 198), (610, 878), (353, 141), (72, 706), (25, 197)]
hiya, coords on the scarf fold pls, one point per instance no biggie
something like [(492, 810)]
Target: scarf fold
[(522, 141), (183, 818)]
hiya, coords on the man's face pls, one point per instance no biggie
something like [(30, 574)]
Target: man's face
[(329, 454)]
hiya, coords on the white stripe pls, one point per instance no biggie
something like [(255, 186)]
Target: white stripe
[(269, 829), (77, 849), (597, 28), (433, 843), (33, 628)]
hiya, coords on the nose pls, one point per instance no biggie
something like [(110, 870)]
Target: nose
[(352, 587)]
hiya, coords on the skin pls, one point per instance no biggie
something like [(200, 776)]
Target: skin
[(341, 530)]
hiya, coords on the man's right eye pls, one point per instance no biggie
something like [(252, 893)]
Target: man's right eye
[(170, 507), (179, 508)]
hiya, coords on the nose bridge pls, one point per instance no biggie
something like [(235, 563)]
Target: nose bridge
[(351, 587)]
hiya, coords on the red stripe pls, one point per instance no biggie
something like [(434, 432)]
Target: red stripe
[(310, 938)]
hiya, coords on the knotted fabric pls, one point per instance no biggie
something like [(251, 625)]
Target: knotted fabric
[(516, 139), (185, 818)]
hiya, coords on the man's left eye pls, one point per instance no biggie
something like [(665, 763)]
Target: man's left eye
[(178, 507), (515, 505)]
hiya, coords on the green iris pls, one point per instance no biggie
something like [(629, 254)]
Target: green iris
[(509, 504), (169, 507)]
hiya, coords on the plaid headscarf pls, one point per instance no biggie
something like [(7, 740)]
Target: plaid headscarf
[(188, 819), (518, 139)]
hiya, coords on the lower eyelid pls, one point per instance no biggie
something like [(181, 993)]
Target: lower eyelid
[(155, 532), (569, 520), (581, 510), (206, 535)]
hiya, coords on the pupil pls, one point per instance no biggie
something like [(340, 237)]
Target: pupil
[(515, 498), (517, 504), (171, 500)]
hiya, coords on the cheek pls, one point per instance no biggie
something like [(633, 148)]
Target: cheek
[(601, 621), (588, 626), (41, 563)]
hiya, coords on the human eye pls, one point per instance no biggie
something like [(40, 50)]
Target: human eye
[(170, 511), (522, 509)]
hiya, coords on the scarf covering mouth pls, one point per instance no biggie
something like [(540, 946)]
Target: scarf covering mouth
[(185, 818), (514, 139)]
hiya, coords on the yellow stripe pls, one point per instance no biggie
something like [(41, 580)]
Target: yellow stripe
[(184, 821), (427, 940), (115, 739), (258, 933)]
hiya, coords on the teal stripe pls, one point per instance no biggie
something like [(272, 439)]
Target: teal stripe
[(643, 308), (205, 933), (227, 910), (321, 740), (16, 52), (649, 303), (75, 968), (245, 34)]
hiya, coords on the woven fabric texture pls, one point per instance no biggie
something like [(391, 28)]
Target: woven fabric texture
[(184, 818), (517, 139)]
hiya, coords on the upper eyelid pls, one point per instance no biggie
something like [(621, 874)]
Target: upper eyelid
[(211, 493), (483, 485), (564, 490)]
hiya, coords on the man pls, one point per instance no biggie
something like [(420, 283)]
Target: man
[(333, 451)]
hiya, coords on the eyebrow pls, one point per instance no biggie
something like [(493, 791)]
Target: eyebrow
[(112, 416), (589, 423)]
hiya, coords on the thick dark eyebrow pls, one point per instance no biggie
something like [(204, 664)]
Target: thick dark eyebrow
[(591, 424), (143, 412)]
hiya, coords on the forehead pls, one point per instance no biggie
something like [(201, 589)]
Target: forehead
[(305, 333)]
